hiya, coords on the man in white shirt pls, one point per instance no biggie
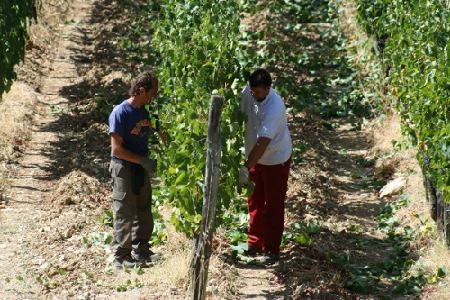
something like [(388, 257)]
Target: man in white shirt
[(268, 148)]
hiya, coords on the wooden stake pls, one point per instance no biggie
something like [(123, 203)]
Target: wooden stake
[(202, 246)]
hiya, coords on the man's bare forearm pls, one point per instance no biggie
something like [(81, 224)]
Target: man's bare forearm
[(119, 151), (257, 152), (122, 153)]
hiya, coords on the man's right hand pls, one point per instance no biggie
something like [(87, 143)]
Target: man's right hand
[(243, 176), (252, 174), (149, 165)]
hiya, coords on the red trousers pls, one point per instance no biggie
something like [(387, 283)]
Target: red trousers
[(266, 206)]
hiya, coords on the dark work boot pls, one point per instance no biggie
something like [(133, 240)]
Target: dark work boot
[(253, 251), (127, 262), (146, 257), (269, 259)]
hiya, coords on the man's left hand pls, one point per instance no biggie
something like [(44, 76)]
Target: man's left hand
[(243, 175), (164, 136)]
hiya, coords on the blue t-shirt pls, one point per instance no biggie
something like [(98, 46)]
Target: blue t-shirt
[(133, 125)]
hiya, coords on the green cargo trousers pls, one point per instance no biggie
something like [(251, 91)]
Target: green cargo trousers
[(133, 220)]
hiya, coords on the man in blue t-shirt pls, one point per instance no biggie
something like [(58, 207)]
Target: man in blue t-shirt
[(131, 170)]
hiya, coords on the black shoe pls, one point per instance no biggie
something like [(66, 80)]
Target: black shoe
[(127, 262), (147, 257), (253, 251), (269, 259)]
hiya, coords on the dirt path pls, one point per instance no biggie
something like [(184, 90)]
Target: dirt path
[(52, 243), (328, 188), (32, 180), (260, 283), (334, 247), (55, 245), (331, 184)]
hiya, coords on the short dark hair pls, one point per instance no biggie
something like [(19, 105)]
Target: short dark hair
[(145, 80), (260, 77)]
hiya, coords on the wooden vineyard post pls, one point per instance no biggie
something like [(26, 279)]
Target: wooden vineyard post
[(202, 246)]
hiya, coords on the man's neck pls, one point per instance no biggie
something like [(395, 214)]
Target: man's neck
[(134, 102), (263, 99)]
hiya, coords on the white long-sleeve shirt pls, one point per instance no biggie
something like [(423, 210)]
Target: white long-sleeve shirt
[(267, 119)]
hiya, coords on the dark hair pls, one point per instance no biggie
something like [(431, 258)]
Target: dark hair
[(145, 80), (260, 77)]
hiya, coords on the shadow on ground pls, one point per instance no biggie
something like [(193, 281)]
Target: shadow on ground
[(332, 247), (103, 66)]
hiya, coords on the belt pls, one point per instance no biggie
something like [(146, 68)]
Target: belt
[(123, 162)]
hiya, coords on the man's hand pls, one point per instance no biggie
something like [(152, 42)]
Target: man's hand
[(252, 174), (149, 165), (243, 175), (164, 136)]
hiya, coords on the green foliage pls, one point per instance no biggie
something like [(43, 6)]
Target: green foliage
[(396, 270), (14, 18), (301, 233), (318, 73), (240, 248), (106, 218), (129, 285), (197, 51), (158, 235), (100, 239), (205, 47), (415, 41)]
